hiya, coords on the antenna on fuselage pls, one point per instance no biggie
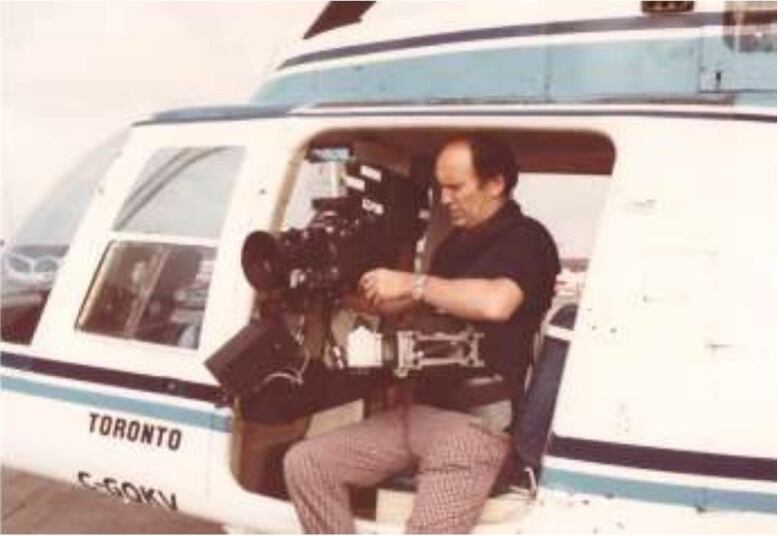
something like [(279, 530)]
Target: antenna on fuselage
[(337, 14)]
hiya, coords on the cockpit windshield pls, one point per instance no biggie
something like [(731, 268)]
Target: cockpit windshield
[(33, 255)]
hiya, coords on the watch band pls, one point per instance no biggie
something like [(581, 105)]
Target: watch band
[(418, 287)]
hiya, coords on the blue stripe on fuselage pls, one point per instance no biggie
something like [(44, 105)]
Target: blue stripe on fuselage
[(703, 498), (157, 410), (550, 28), (701, 69)]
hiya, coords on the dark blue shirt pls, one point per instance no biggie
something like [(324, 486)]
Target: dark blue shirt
[(513, 246)]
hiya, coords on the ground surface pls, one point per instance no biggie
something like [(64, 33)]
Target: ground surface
[(34, 505)]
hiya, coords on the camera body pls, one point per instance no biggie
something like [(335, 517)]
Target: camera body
[(346, 237)]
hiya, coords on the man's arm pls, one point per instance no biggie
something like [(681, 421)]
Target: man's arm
[(472, 299), (381, 307)]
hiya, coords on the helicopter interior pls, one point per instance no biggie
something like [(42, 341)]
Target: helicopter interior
[(563, 182)]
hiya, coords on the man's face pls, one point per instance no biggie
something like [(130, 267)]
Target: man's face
[(468, 201)]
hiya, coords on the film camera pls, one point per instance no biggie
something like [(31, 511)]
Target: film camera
[(305, 273), (347, 236)]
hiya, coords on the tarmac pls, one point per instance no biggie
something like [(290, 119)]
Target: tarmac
[(35, 505)]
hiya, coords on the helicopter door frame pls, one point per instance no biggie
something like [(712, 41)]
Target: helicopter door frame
[(283, 155)]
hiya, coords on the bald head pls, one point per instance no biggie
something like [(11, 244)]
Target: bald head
[(490, 156), (473, 187)]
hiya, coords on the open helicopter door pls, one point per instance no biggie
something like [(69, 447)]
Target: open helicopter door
[(671, 378)]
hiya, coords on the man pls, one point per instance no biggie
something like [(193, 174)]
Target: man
[(496, 270)]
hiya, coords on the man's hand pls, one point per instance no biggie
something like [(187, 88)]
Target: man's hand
[(383, 285)]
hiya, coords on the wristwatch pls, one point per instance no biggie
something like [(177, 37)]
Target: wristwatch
[(418, 286)]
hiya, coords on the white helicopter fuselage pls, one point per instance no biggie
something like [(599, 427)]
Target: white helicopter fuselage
[(666, 417)]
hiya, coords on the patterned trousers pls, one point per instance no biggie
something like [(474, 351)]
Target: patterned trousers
[(457, 461)]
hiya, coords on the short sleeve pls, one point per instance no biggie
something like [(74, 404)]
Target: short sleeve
[(514, 258), (522, 257)]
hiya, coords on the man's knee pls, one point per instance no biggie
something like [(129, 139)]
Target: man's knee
[(300, 462)]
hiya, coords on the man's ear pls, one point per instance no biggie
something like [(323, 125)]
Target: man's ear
[(496, 186)]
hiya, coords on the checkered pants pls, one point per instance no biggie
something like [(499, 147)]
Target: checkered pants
[(457, 460)]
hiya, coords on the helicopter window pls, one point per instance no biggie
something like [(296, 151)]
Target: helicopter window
[(31, 260), (150, 292), (178, 182), (569, 206), (750, 26), (319, 179)]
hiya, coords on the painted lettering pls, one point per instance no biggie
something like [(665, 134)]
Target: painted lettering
[(174, 439), (105, 425), (147, 434), (169, 502), (92, 419), (134, 430), (119, 427), (160, 435), (112, 488), (83, 477), (148, 495), (129, 491)]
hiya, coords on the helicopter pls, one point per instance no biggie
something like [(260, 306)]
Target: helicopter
[(646, 133)]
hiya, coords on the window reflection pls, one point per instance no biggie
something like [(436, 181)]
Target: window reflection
[(150, 292)]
